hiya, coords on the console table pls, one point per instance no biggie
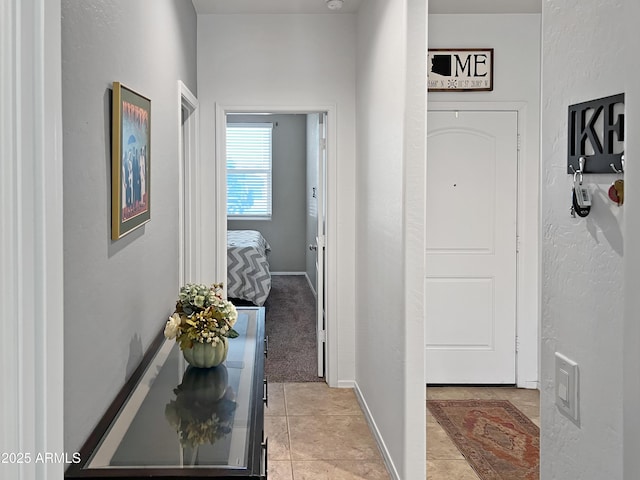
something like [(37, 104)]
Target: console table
[(173, 421)]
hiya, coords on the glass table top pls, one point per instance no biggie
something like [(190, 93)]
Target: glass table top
[(179, 416)]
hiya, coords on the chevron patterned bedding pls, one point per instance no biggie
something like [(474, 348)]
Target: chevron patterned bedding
[(248, 275)]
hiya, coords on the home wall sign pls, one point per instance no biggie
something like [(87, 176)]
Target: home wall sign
[(596, 134), (462, 69)]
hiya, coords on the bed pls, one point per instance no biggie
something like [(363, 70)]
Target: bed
[(248, 275)]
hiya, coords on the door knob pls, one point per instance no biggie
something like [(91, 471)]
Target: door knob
[(313, 247)]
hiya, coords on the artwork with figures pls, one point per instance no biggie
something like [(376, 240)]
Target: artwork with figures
[(131, 206), (134, 128)]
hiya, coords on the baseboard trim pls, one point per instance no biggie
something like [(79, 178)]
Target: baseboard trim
[(346, 384), (315, 294), (384, 451), (299, 274), (532, 385)]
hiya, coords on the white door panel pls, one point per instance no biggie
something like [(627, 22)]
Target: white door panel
[(443, 303), (461, 191), (471, 247)]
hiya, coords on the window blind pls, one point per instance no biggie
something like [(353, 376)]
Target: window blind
[(249, 147)]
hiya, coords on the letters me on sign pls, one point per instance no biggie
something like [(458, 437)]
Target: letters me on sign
[(596, 132), (463, 69)]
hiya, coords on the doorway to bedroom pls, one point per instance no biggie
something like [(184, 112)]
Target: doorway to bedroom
[(275, 219)]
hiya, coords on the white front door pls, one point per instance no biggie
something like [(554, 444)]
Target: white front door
[(470, 296)]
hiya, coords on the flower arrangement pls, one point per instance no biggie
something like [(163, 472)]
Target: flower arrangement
[(203, 409), (202, 315)]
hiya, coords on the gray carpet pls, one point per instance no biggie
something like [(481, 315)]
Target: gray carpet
[(291, 327)]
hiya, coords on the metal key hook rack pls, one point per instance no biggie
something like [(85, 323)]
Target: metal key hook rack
[(596, 133), (582, 161), (621, 170), (595, 145)]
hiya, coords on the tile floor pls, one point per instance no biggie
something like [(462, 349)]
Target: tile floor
[(318, 433)]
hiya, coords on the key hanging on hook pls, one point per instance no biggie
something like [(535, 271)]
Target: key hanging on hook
[(581, 202), (616, 190), (580, 195)]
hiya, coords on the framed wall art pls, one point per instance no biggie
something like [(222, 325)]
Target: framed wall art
[(130, 162), (460, 70)]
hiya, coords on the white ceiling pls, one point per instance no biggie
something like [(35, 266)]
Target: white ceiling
[(271, 6), (350, 6)]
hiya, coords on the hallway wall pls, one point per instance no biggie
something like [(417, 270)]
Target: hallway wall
[(631, 403), (390, 187), (582, 258), (117, 294)]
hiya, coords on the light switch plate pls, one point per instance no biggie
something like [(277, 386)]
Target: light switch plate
[(566, 382)]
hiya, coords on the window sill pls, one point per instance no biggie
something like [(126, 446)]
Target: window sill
[(268, 219)]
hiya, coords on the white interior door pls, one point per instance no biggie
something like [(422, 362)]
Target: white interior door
[(471, 247), (320, 243)]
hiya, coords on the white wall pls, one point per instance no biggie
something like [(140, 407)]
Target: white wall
[(118, 293), (582, 259), (631, 229), (286, 230), (268, 61), (391, 134), (516, 43)]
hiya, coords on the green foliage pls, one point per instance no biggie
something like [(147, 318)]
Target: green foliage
[(202, 315)]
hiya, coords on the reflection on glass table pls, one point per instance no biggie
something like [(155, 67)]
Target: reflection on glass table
[(180, 419), (202, 413)]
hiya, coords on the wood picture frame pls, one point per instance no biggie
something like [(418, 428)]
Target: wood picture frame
[(460, 70), (130, 161)]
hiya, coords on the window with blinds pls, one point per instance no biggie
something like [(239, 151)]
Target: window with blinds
[(249, 170)]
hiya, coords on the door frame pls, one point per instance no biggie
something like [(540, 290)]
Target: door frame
[(31, 240), (321, 164), (331, 338), (188, 186), (527, 234)]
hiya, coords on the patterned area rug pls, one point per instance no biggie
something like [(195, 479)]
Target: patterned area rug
[(496, 438), (290, 324)]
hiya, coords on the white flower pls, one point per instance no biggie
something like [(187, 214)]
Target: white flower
[(233, 315), (172, 327)]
